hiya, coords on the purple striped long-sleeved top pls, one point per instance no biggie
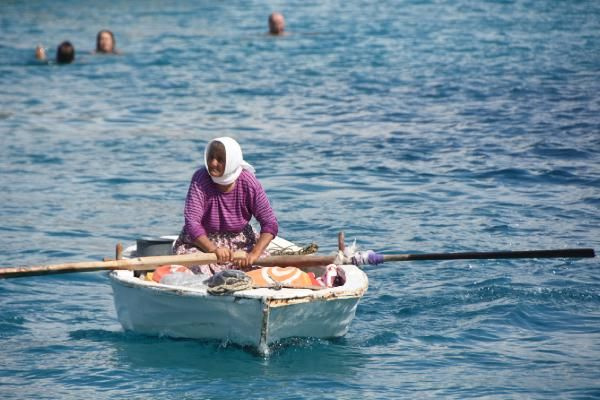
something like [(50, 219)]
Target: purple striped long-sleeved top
[(208, 210)]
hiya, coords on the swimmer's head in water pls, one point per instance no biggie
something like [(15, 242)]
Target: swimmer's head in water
[(65, 53), (276, 24), (105, 42)]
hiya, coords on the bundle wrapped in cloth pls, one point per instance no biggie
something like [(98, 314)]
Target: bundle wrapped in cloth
[(293, 277)]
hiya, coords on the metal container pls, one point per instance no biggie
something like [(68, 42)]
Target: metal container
[(154, 247)]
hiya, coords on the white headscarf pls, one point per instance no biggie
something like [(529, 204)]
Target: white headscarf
[(234, 161)]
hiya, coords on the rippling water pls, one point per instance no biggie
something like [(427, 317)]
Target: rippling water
[(413, 126)]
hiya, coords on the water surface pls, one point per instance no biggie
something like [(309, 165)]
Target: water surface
[(413, 126)]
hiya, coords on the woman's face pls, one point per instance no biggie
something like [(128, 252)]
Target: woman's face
[(215, 159), (106, 42)]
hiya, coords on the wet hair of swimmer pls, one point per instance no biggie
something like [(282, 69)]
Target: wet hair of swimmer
[(99, 37), (65, 53)]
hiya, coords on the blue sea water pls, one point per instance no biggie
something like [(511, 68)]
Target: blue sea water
[(412, 126)]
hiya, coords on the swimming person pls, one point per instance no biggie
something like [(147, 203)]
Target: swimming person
[(276, 24), (106, 43), (222, 199), (40, 53), (65, 53)]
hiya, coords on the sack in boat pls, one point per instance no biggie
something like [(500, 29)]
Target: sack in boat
[(196, 281), (165, 270), (284, 276), (227, 281)]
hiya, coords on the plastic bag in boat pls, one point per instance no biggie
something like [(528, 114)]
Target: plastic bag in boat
[(184, 279), (165, 270)]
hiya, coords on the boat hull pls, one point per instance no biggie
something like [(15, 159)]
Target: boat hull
[(256, 317)]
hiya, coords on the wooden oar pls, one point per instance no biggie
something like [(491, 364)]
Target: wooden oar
[(150, 263)]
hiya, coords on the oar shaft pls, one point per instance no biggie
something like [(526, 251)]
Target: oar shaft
[(150, 263), (295, 261), (562, 253)]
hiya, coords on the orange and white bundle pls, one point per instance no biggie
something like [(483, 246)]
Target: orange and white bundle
[(285, 276)]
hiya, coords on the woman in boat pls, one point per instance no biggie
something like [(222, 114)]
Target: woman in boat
[(222, 199)]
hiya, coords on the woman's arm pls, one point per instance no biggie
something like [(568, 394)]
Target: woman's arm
[(261, 209), (194, 208)]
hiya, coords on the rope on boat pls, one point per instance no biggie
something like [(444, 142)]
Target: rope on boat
[(228, 281), (290, 250)]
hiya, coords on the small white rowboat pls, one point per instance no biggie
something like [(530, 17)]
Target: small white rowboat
[(253, 317)]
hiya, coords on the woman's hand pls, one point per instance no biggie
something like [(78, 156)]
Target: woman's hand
[(223, 254), (247, 262), (257, 251)]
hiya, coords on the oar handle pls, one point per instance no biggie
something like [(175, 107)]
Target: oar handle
[(134, 264), (561, 253)]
